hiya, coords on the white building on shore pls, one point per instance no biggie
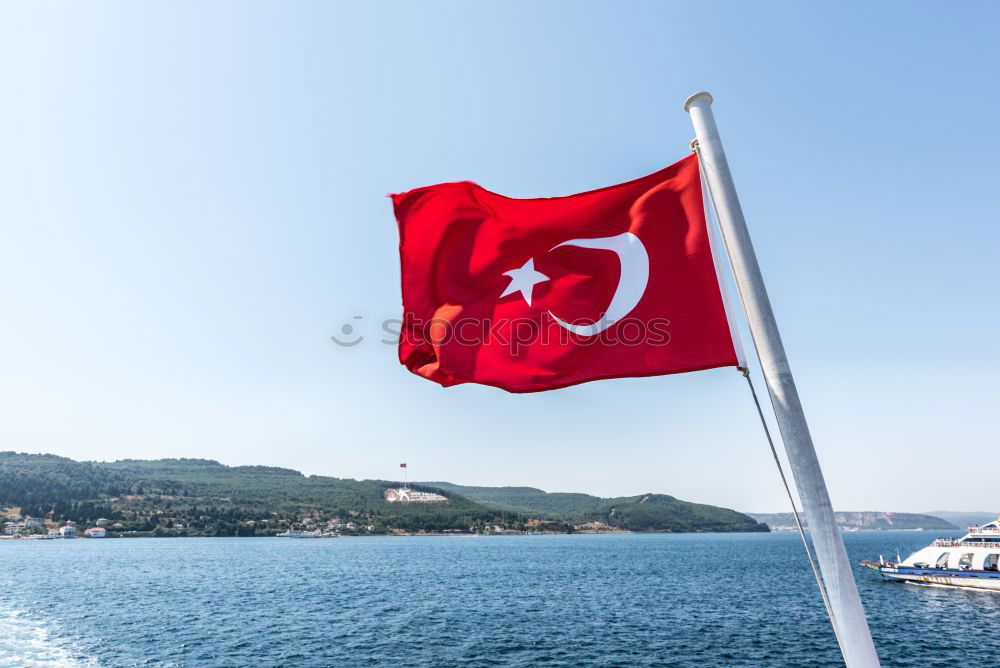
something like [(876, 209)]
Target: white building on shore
[(67, 531), (96, 532)]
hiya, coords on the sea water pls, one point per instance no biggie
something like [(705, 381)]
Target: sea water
[(585, 600)]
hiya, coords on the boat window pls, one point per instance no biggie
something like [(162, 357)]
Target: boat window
[(991, 562), (942, 561), (965, 563)]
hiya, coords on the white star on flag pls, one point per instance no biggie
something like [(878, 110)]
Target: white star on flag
[(524, 280)]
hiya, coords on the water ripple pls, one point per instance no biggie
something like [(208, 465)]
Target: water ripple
[(643, 600)]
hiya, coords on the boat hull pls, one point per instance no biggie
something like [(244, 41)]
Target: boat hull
[(944, 578)]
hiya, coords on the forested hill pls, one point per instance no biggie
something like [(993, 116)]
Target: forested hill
[(646, 512), (204, 497)]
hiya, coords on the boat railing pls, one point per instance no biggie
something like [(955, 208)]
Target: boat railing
[(946, 542), (981, 530), (958, 542)]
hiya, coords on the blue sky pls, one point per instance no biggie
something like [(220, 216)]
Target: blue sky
[(192, 200)]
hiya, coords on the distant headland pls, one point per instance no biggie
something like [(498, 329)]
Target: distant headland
[(869, 520)]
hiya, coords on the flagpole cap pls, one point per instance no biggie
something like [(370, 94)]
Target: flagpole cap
[(703, 95)]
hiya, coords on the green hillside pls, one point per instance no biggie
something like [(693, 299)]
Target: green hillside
[(203, 497), (646, 512), (209, 498)]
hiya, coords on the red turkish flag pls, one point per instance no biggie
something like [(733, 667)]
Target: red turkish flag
[(537, 294)]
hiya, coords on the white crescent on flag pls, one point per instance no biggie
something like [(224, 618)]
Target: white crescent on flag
[(631, 284)]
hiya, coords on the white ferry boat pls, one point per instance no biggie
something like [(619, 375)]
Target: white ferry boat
[(969, 561)]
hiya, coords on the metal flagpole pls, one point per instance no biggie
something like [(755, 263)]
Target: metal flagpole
[(857, 647)]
